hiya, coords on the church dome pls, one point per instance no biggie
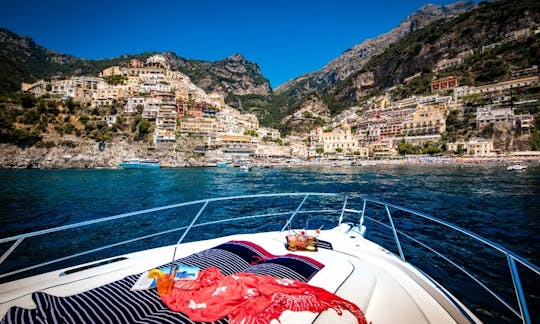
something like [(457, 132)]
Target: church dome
[(345, 127)]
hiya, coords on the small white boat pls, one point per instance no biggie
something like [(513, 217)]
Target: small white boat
[(224, 164), (246, 167), (516, 167), (246, 236)]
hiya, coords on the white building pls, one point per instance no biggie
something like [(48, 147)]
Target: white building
[(109, 120), (493, 114), (270, 133), (475, 146)]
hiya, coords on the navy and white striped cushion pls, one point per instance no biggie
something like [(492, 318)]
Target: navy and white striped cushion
[(112, 303), (287, 266), (115, 303), (324, 245)]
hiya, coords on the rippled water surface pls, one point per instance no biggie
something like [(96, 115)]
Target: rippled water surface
[(501, 206)]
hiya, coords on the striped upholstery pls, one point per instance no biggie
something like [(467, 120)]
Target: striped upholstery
[(112, 303), (324, 245), (287, 266), (115, 303)]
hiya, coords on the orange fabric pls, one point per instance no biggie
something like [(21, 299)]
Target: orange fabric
[(248, 298)]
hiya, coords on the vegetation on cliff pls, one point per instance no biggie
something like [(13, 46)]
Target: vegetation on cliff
[(26, 121)]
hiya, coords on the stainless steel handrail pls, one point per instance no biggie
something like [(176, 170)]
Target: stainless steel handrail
[(17, 239), (511, 257)]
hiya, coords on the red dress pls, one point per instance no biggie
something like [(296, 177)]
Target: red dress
[(248, 298)]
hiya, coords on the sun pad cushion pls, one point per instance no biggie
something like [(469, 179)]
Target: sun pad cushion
[(116, 303)]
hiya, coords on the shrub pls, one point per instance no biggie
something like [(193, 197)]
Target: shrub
[(47, 145), (84, 119), (59, 129), (69, 128), (28, 101), (68, 143), (30, 117)]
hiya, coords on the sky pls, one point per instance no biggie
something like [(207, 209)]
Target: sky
[(287, 38)]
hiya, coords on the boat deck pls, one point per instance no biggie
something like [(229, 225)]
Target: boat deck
[(388, 291)]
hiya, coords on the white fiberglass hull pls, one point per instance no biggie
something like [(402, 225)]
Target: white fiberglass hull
[(385, 288)]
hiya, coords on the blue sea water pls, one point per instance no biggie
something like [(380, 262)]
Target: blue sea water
[(499, 205)]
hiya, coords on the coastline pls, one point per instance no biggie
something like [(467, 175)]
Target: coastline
[(70, 152), (88, 156)]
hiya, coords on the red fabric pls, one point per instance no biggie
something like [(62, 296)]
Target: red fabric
[(247, 298)]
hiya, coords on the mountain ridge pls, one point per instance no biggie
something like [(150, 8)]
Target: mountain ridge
[(357, 56), (23, 60)]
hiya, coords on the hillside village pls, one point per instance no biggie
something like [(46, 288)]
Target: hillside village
[(382, 129), (145, 107)]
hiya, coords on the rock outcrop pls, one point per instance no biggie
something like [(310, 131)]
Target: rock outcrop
[(232, 75), (311, 113), (81, 154)]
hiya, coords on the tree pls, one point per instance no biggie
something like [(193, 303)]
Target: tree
[(431, 148), (52, 108), (405, 148), (535, 143), (143, 128), (28, 101), (319, 150), (84, 119), (488, 130), (30, 117), (251, 132)]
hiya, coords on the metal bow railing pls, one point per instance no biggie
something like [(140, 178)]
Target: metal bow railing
[(288, 215), (521, 312)]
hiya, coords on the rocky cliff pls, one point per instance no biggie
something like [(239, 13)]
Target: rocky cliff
[(232, 75), (22, 60), (311, 113), (416, 55), (71, 152)]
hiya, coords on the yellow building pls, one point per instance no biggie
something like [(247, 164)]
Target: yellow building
[(429, 119), (335, 141), (236, 145), (106, 95), (479, 147), (199, 126), (110, 71), (476, 147)]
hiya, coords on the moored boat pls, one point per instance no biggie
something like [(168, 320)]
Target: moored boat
[(246, 167), (224, 164), (246, 236), (516, 167), (140, 164)]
